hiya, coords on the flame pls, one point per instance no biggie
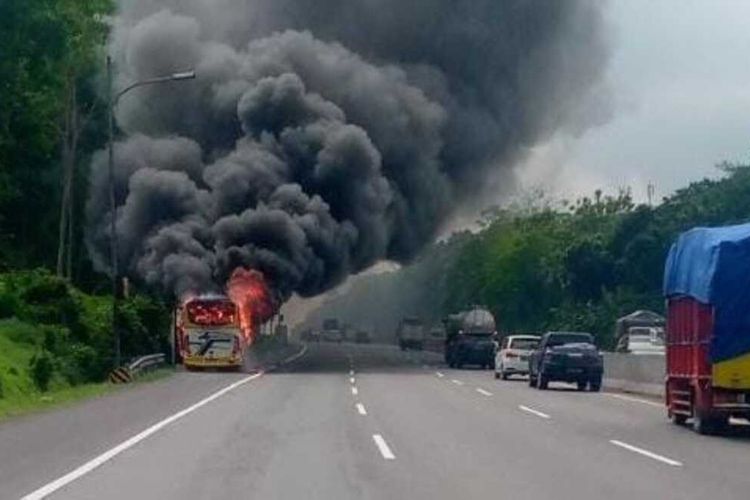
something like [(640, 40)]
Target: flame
[(249, 290)]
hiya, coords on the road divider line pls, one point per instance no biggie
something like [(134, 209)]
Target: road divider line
[(457, 382), (351, 380), (439, 374), (634, 400), (483, 392), (92, 464), (355, 391), (383, 447), (296, 356), (361, 409), (351, 373), (533, 411), (646, 453)]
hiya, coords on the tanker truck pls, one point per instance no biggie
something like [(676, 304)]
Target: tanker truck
[(470, 338)]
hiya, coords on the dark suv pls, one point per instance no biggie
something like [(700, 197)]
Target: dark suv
[(566, 357)]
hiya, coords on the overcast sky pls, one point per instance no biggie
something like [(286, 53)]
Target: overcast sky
[(680, 75)]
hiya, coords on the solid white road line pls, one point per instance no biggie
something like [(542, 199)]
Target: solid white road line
[(361, 409), (439, 374), (457, 382), (533, 411), (355, 391), (646, 453), (351, 379), (89, 466), (351, 372), (634, 400), (383, 447), (296, 356), (483, 392)]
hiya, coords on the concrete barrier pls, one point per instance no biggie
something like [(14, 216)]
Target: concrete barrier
[(635, 373)]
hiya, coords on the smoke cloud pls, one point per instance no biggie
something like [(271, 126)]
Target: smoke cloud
[(323, 136)]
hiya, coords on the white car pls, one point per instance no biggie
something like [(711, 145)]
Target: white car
[(513, 356)]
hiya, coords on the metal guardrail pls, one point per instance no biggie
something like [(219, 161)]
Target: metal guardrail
[(146, 362), (125, 374)]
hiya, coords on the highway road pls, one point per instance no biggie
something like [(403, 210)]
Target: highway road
[(349, 422)]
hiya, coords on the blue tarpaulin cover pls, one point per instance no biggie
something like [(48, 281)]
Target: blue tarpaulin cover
[(712, 265)]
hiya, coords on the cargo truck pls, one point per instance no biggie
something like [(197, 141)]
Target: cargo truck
[(707, 288), (410, 334)]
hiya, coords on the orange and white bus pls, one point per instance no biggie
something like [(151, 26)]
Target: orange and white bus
[(209, 333)]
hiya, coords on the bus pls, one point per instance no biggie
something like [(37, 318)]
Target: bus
[(209, 333)]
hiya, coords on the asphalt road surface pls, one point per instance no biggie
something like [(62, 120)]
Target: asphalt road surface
[(370, 422)]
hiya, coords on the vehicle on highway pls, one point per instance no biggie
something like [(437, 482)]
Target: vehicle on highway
[(209, 333), (332, 330), (708, 347), (410, 334), (471, 338), (362, 337), (644, 341), (513, 356), (566, 357), (640, 332), (435, 339), (310, 335)]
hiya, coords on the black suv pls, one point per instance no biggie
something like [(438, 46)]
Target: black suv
[(566, 357)]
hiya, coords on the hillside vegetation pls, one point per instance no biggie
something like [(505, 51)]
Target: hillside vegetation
[(54, 337), (55, 333), (576, 266)]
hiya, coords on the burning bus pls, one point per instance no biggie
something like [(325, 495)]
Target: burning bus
[(214, 331), (209, 333)]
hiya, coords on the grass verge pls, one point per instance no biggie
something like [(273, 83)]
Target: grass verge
[(58, 398), (18, 394)]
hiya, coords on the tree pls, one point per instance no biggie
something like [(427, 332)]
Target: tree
[(48, 54), (86, 35)]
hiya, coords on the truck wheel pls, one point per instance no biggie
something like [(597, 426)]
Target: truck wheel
[(678, 419), (543, 382), (532, 381), (703, 424), (595, 385), (505, 376), (581, 386), (497, 375)]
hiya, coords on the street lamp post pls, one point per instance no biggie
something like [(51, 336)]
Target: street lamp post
[(112, 100)]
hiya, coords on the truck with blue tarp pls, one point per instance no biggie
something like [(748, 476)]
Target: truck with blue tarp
[(707, 287)]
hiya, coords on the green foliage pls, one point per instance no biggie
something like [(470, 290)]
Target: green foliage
[(48, 49), (41, 369), (69, 332), (537, 267)]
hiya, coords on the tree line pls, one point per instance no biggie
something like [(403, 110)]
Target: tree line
[(52, 117), (541, 265)]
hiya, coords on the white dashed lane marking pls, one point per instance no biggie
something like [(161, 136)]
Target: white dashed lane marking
[(646, 453), (533, 412), (383, 447)]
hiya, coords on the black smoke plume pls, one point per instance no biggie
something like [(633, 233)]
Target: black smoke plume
[(324, 135)]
